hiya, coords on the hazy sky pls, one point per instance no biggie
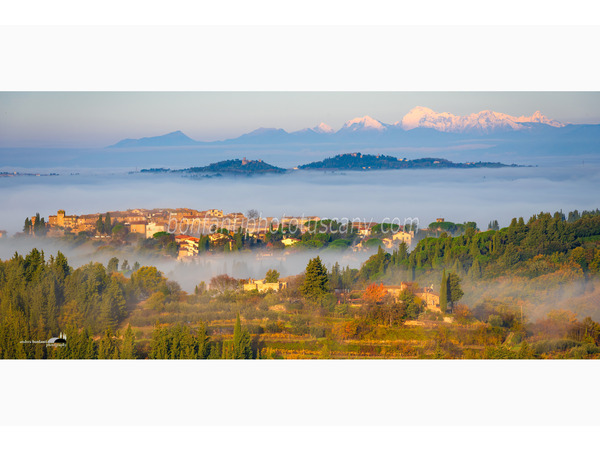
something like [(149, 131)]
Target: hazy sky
[(97, 119)]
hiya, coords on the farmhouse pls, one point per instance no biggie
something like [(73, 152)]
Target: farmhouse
[(427, 295), (405, 237), (261, 286)]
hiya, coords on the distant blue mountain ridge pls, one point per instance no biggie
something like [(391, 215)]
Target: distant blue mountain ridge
[(586, 137)]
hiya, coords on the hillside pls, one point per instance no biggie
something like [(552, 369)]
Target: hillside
[(358, 161), (237, 166), (527, 291)]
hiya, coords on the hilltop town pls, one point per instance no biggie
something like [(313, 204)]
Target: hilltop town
[(186, 233)]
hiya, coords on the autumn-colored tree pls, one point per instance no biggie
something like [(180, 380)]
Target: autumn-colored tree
[(375, 293), (558, 323), (462, 313)]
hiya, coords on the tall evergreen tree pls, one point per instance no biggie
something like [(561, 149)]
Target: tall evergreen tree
[(27, 226), (455, 293), (128, 350), (107, 224), (61, 266), (444, 293), (113, 265), (316, 282), (107, 348), (100, 224), (475, 270), (113, 307), (242, 348)]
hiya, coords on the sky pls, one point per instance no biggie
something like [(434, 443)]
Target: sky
[(98, 119)]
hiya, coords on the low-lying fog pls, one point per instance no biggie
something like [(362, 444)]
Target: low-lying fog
[(188, 275), (457, 195)]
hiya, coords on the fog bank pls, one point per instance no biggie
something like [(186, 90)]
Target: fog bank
[(457, 195)]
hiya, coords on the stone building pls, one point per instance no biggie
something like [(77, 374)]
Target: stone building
[(261, 286)]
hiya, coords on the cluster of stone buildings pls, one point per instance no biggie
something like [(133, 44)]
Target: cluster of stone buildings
[(389, 243), (187, 225), (136, 221), (430, 299), (145, 222)]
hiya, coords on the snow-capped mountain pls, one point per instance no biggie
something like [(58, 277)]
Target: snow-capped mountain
[(323, 128), (538, 117), (428, 128), (483, 121), (363, 124)]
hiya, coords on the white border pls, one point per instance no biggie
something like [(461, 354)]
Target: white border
[(300, 58), (485, 55)]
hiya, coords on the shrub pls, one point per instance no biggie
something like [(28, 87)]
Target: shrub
[(254, 328), (554, 345), (583, 351), (273, 327), (299, 325), (317, 332)]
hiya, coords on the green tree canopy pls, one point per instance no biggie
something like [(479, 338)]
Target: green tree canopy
[(316, 282), (272, 276)]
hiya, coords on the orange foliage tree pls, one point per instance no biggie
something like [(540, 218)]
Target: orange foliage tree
[(375, 293)]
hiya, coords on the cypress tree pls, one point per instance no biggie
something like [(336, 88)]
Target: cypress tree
[(215, 351), (100, 225), (457, 267), (128, 351), (91, 352), (107, 224), (475, 270), (444, 293), (241, 341), (455, 293), (37, 224), (27, 226), (106, 346)]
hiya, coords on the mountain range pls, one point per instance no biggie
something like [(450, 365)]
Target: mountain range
[(418, 126)]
